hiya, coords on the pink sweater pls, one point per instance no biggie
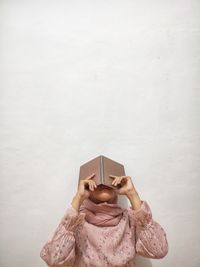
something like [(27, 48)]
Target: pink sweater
[(77, 243)]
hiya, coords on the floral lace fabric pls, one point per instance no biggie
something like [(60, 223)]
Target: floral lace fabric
[(77, 243)]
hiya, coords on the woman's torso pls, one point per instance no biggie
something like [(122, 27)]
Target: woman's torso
[(112, 246)]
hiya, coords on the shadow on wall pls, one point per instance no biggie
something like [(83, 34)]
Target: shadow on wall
[(139, 260), (142, 261)]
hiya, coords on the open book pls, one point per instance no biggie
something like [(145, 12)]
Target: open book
[(102, 167)]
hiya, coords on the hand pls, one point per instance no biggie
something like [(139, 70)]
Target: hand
[(84, 185), (127, 185)]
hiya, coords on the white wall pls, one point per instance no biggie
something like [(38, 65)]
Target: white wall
[(84, 78)]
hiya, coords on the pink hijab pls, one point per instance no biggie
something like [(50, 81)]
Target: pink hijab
[(102, 214)]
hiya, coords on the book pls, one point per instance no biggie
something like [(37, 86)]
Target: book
[(102, 167)]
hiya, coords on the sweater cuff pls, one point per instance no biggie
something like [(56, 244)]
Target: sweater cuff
[(143, 215)]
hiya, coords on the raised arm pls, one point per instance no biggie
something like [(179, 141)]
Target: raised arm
[(60, 250), (151, 241)]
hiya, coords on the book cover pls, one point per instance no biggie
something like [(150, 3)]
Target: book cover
[(102, 166)]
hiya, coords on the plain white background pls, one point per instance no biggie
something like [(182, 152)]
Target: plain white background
[(85, 78)]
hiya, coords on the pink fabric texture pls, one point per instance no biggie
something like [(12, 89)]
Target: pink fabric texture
[(78, 243), (101, 214)]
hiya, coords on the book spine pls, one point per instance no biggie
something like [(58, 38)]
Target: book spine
[(102, 170)]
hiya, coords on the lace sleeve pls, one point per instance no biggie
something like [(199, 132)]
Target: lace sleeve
[(60, 249), (151, 240)]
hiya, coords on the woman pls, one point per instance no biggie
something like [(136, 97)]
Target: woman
[(96, 232)]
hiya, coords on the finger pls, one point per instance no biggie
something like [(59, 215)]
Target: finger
[(119, 180), (90, 176), (86, 183), (91, 187), (113, 176), (90, 184), (115, 181), (94, 184), (123, 178)]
